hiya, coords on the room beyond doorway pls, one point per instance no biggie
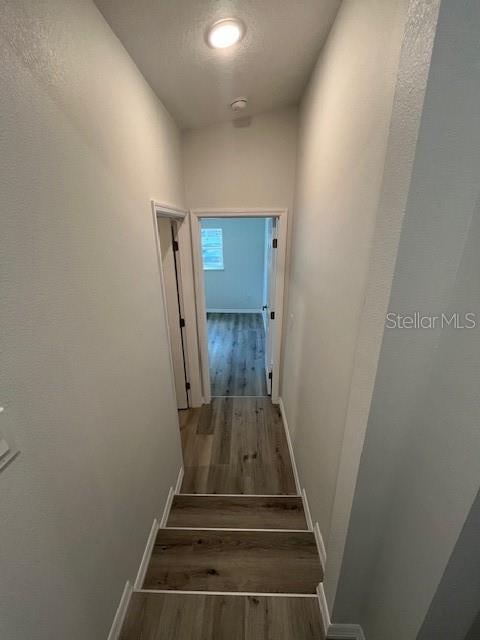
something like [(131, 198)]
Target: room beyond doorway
[(238, 269)]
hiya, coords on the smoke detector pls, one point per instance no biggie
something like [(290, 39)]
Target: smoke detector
[(239, 104)]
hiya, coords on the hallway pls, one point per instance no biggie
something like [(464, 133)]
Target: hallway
[(229, 566), (235, 445), (264, 215), (236, 350)]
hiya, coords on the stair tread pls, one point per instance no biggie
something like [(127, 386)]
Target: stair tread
[(247, 561), (243, 512), (153, 616)]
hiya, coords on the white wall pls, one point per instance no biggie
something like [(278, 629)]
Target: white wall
[(246, 164), (249, 166), (85, 377), (240, 284), (419, 472), (454, 613), (345, 121), (359, 124)]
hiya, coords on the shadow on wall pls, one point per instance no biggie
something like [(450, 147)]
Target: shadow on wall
[(455, 610)]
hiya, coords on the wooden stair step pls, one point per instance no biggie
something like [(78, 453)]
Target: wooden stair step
[(242, 512), (156, 616), (247, 561)]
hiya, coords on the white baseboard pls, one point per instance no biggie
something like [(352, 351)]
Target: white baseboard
[(343, 631), (322, 552), (142, 570), (178, 484), (331, 630), (316, 529), (166, 509), (290, 447), (346, 631), (324, 613), (306, 509), (121, 612), (234, 310)]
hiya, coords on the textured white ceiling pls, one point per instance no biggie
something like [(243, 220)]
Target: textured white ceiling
[(271, 65)]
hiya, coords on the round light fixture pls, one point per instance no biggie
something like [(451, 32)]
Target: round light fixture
[(225, 33)]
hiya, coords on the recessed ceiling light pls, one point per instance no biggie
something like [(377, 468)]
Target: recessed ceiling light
[(225, 33)]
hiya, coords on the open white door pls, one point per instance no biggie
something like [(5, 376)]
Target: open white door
[(269, 296), (172, 300)]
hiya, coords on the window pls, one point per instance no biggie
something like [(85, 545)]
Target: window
[(212, 249)]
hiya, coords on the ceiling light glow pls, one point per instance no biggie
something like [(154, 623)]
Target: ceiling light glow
[(225, 33)]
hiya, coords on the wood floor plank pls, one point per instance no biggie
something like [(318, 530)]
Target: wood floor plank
[(236, 445), (252, 561), (173, 616), (282, 512), (280, 618), (236, 349)]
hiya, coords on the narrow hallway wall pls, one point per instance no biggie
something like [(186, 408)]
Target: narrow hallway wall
[(419, 473), (345, 122), (85, 377), (250, 163), (459, 588)]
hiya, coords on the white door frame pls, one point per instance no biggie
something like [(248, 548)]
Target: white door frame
[(282, 218), (174, 309), (192, 360)]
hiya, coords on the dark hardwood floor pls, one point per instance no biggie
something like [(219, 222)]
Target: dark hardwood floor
[(246, 561), (236, 445), (156, 616), (236, 349), (238, 512)]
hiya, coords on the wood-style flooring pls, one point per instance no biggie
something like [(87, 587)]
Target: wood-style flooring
[(245, 561), (235, 445), (238, 512), (236, 351), (231, 567), (154, 616)]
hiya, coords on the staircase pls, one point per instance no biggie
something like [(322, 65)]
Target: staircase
[(230, 567)]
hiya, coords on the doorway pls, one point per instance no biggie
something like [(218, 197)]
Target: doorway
[(239, 259), (174, 253), (173, 295), (233, 255)]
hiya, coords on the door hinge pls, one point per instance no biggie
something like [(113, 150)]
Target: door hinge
[(187, 386), (175, 245), (182, 323), (272, 315), (270, 375), (275, 243)]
